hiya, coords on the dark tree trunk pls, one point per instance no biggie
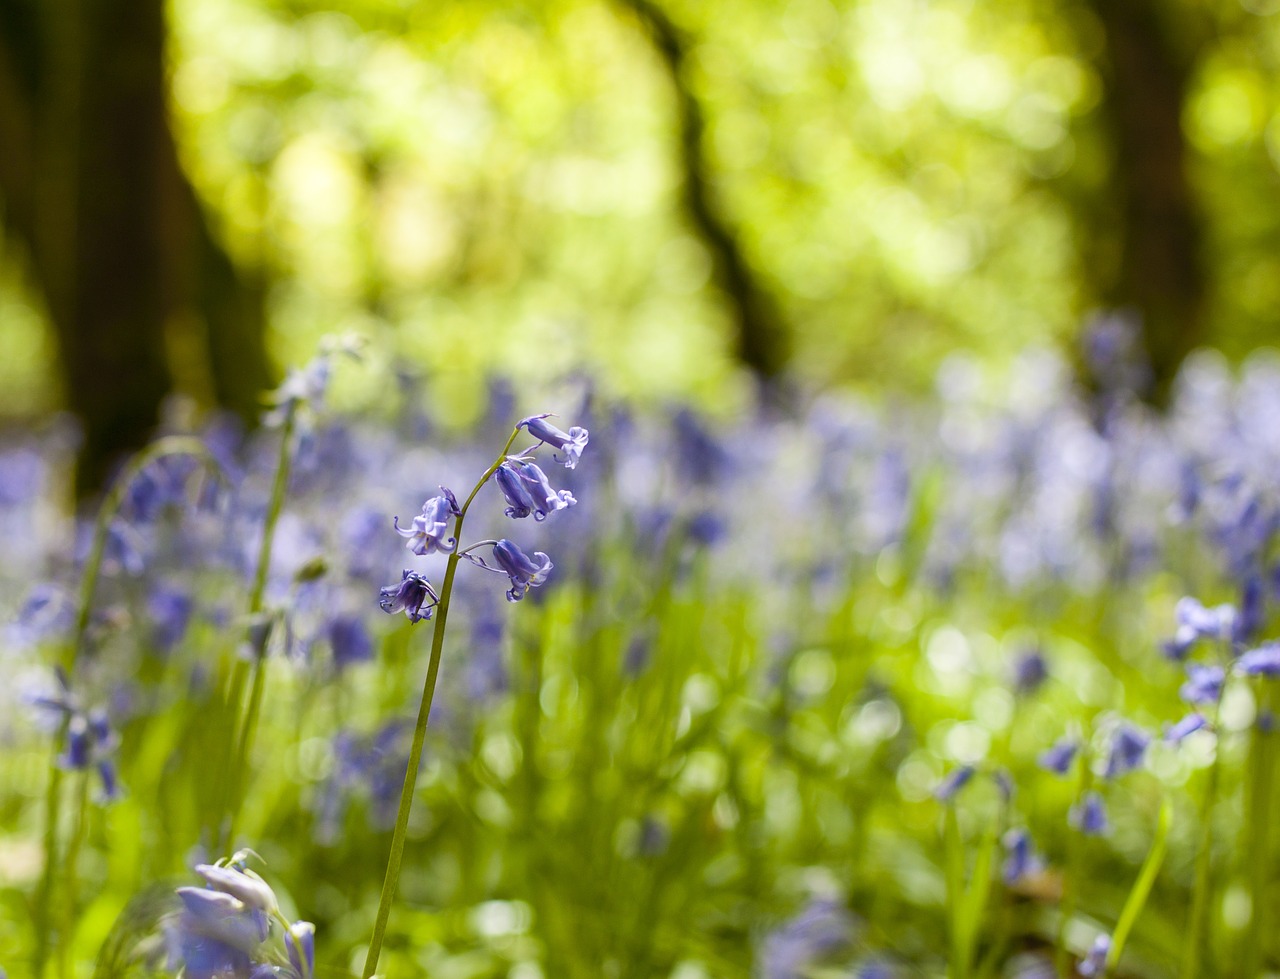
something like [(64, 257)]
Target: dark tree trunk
[(1160, 272), (117, 241), (762, 340)]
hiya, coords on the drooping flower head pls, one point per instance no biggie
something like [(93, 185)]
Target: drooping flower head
[(1128, 745), (1195, 622), (224, 929), (953, 783), (571, 443), (1095, 963), (428, 532), (546, 500), (414, 596), (1020, 860), (1030, 671), (1090, 815), (1204, 684), (1189, 725), (1263, 661), (1058, 759), (90, 741), (524, 571)]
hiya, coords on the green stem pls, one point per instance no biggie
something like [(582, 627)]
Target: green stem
[(392, 877), (70, 896), (1075, 853), (1141, 887), (111, 504), (1197, 924), (257, 597), (1258, 843)]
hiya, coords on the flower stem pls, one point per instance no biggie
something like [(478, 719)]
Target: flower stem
[(257, 597), (1198, 922), (172, 445), (1257, 842), (396, 857)]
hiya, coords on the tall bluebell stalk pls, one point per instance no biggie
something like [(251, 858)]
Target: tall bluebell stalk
[(528, 493), (392, 877), (107, 513)]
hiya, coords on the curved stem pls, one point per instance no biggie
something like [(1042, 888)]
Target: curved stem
[(396, 857), (257, 596), (171, 445)]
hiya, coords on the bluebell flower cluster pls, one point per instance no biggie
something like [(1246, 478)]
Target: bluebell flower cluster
[(229, 927), (89, 739)]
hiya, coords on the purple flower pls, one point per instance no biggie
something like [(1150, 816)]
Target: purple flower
[(1252, 610), (546, 500), (300, 940), (427, 533), (1090, 816), (520, 502), (410, 596), (525, 572), (1263, 661), (1128, 745), (1058, 759), (170, 612), (1020, 860), (1174, 734), (1095, 963), (244, 885), (571, 442), (953, 783), (1029, 672), (1204, 684), (1195, 622), (822, 928), (350, 641)]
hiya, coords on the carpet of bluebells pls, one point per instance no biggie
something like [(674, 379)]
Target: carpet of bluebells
[(976, 687)]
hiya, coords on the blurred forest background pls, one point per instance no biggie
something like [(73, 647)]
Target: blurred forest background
[(675, 197)]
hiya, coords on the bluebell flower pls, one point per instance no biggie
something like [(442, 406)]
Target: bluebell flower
[(1176, 733), (525, 572), (350, 641), (1128, 745), (1252, 610), (300, 940), (410, 596), (1030, 671), (1020, 857), (90, 741), (242, 884), (571, 443), (1204, 684), (427, 533), (1095, 962), (224, 929), (545, 499), (1262, 661), (1090, 815), (170, 612), (520, 502), (1195, 622), (953, 783), (822, 928), (1058, 758)]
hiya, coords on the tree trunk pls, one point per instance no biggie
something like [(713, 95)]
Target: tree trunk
[(116, 237), (761, 335), (1161, 272)]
